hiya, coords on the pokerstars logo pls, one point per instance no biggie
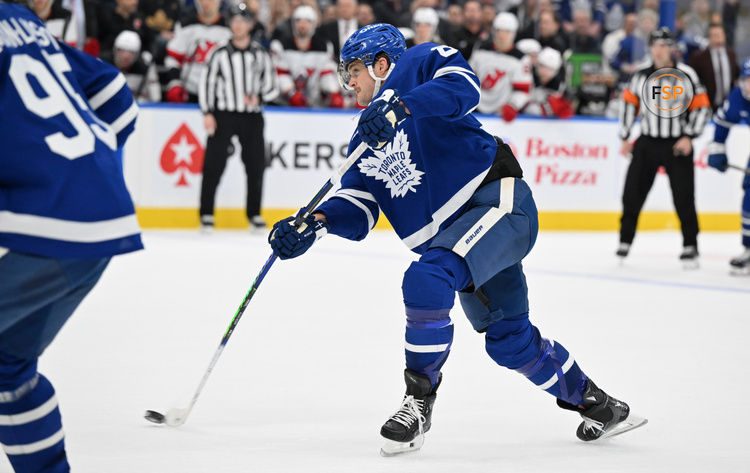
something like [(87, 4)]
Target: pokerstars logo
[(182, 154), (667, 92)]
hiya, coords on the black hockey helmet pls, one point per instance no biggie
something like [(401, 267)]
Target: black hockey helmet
[(661, 34), (241, 9)]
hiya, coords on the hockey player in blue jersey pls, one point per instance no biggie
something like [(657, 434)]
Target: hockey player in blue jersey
[(64, 211), (736, 109), (454, 195)]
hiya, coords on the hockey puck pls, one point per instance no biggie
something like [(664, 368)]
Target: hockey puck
[(155, 417)]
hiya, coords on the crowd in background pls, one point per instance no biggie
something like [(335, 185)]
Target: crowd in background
[(541, 57)]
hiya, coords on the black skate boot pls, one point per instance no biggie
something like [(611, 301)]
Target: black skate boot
[(689, 257), (741, 264), (623, 250), (404, 431), (603, 415)]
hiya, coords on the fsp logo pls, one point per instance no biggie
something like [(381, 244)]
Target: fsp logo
[(668, 92)]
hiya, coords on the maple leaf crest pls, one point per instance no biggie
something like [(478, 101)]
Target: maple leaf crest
[(393, 165)]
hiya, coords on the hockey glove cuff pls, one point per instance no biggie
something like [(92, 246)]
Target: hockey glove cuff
[(377, 124), (717, 156), (289, 241)]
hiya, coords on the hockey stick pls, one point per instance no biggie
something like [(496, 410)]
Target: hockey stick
[(177, 416), (739, 168)]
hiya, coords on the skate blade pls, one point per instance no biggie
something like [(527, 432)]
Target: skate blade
[(392, 448), (740, 271), (690, 265), (632, 422)]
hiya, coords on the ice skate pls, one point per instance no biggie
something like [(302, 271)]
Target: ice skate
[(741, 264), (207, 224), (404, 431), (258, 225), (603, 416), (622, 252), (689, 257)]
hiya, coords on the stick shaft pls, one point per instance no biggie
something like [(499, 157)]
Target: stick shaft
[(267, 266), (739, 168)]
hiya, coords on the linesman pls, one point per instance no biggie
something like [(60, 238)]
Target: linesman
[(238, 79), (664, 141)]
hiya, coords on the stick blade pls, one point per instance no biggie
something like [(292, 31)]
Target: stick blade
[(176, 417), (155, 417)]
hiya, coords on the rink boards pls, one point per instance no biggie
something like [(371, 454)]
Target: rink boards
[(574, 168)]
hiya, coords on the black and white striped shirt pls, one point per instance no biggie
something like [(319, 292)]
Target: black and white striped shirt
[(232, 76), (688, 124)]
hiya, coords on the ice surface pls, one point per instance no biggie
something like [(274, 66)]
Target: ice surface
[(315, 366)]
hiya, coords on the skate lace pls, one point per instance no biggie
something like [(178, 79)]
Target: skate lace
[(592, 425), (410, 412)]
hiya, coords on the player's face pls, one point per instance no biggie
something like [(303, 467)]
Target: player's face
[(303, 28), (744, 83), (361, 82), (545, 73), (661, 52), (210, 7), (124, 59), (423, 32), (504, 39)]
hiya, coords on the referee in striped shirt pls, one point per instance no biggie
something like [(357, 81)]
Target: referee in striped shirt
[(238, 78), (664, 141)]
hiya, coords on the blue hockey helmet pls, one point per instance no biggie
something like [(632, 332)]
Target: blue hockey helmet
[(365, 45)]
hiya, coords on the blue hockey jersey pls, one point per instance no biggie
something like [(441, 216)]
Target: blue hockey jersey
[(736, 109), (423, 179), (63, 117)]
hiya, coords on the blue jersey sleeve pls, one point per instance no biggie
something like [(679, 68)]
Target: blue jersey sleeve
[(106, 90), (352, 211), (449, 87), (728, 115)]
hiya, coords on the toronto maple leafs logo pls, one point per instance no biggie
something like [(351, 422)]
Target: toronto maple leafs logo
[(393, 165)]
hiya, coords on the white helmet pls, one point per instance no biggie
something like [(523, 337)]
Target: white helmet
[(551, 58), (529, 46), (305, 12), (505, 21), (425, 15), (128, 41)]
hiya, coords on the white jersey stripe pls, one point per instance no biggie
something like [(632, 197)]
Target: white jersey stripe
[(30, 416), (426, 348), (565, 368), (360, 205), (67, 230), (357, 193), (457, 70), (125, 119), (28, 448), (103, 96), (443, 213), (489, 219)]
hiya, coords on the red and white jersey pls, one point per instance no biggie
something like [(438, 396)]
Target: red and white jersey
[(188, 50), (505, 78), (309, 75)]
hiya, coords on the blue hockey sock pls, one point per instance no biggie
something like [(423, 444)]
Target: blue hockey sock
[(516, 344), (31, 430), (429, 289)]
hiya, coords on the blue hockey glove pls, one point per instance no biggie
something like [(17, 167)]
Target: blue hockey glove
[(289, 242), (717, 157), (377, 124)]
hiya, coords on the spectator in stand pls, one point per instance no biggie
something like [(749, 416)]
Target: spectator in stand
[(365, 16), (339, 30), (58, 20), (137, 67), (159, 20), (470, 32), (581, 39), (611, 43), (112, 21), (424, 23), (547, 97), (566, 10), (328, 14), (305, 65), (716, 66), (696, 20), (394, 12), (504, 74), (549, 32), (528, 17), (488, 16), (455, 16), (729, 14)]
